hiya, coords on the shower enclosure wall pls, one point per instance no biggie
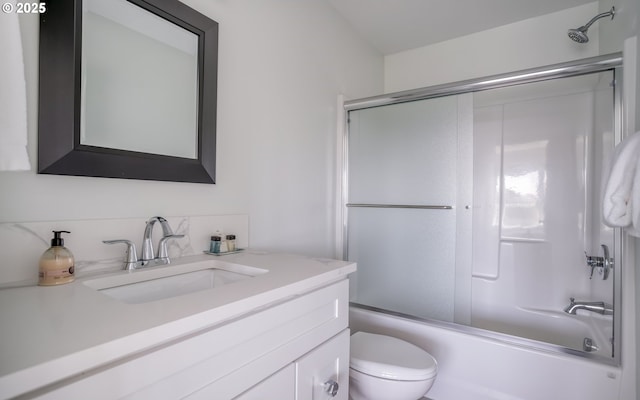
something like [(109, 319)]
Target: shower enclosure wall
[(475, 205)]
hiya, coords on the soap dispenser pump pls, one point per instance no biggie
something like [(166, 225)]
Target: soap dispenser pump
[(57, 263)]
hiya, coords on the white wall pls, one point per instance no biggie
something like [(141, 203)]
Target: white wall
[(526, 44), (282, 65)]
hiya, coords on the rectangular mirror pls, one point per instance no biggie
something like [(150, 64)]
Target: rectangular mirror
[(139, 81), (128, 90)]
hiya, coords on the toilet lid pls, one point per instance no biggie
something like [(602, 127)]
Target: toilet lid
[(390, 358)]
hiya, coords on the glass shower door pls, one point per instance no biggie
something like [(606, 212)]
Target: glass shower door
[(483, 209), (409, 177)]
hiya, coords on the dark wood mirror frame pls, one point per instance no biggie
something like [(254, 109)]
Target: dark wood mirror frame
[(59, 149)]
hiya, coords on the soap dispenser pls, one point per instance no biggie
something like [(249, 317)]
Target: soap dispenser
[(57, 263)]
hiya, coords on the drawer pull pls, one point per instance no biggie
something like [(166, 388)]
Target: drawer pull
[(331, 387)]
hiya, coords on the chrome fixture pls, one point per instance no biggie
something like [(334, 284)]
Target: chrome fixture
[(588, 345), (555, 71), (599, 307), (148, 258), (131, 259), (416, 206), (580, 34), (604, 264), (147, 244), (331, 387)]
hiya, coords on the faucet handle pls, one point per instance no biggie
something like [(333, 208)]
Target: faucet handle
[(131, 259), (163, 253), (604, 264)]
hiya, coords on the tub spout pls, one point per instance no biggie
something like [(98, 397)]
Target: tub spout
[(599, 307)]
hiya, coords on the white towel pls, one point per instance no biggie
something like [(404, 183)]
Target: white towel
[(621, 200), (13, 96)]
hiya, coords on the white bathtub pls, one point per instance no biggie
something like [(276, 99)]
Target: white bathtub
[(557, 327), (474, 367)]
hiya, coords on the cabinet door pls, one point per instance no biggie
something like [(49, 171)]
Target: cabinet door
[(318, 372), (278, 386)]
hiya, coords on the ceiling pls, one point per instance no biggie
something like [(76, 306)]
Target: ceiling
[(396, 25)]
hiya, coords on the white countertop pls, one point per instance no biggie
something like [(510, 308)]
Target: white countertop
[(51, 333)]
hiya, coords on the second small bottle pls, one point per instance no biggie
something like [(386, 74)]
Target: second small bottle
[(231, 242), (216, 240)]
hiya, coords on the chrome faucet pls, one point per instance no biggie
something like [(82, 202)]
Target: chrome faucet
[(147, 244), (148, 257), (599, 307)]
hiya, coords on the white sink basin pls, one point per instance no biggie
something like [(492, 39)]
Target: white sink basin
[(156, 283)]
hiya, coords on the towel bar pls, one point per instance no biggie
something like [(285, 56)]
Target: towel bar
[(418, 206)]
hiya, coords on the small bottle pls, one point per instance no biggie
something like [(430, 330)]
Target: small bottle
[(223, 243), (57, 265), (231, 242), (215, 244)]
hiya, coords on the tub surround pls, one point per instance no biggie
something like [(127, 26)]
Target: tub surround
[(52, 333)]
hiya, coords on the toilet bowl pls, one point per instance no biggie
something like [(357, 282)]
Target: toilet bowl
[(387, 368)]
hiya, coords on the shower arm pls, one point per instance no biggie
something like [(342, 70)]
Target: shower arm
[(597, 17)]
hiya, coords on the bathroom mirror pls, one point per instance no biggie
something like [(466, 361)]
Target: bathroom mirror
[(128, 90)]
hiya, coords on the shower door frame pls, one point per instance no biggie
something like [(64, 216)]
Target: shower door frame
[(610, 62)]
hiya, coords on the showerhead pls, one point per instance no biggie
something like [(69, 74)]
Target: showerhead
[(580, 34)]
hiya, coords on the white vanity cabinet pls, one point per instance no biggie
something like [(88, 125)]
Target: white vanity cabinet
[(287, 350), (323, 373), (280, 385)]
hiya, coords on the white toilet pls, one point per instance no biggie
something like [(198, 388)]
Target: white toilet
[(387, 368)]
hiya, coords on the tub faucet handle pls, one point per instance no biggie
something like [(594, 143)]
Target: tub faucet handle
[(591, 263), (605, 264)]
